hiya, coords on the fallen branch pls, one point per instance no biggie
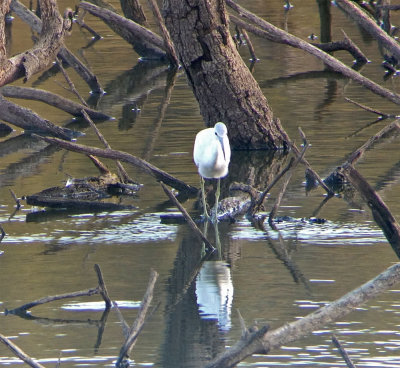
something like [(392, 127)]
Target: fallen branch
[(42, 54), (36, 24), (346, 45), (295, 330), (100, 289), (139, 321), (152, 170), (381, 213), (387, 130), (370, 25), (272, 33), (146, 43), (20, 353), (52, 99), (30, 121)]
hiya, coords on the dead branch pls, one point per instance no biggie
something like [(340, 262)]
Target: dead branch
[(36, 24), (102, 286), (30, 121), (146, 43), (42, 54), (262, 196), (134, 11), (123, 174), (100, 289), (187, 217), (285, 184), (125, 326), (272, 33), (52, 99), (343, 352), (300, 328), (70, 83), (168, 44), (139, 321), (20, 353), (381, 114), (16, 199), (2, 233), (309, 170), (386, 131), (347, 45), (381, 213), (249, 45), (152, 170), (369, 24)]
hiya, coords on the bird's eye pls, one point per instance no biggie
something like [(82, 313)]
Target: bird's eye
[(215, 133)]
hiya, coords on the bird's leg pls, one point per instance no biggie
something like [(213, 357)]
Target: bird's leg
[(203, 197), (217, 193)]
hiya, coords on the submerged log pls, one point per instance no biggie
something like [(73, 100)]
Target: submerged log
[(84, 194)]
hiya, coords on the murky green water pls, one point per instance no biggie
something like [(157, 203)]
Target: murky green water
[(54, 254)]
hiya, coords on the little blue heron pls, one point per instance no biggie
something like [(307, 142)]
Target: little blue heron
[(211, 155)]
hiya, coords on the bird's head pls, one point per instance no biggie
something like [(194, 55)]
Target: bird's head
[(221, 131)]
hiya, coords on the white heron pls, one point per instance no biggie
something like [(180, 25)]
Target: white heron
[(211, 155)]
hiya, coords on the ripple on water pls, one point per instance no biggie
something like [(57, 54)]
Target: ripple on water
[(107, 228), (326, 234)]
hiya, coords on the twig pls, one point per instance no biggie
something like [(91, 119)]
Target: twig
[(187, 217), (70, 83), (125, 326), (100, 289), (169, 46), (381, 213), (262, 196), (124, 175), (249, 45), (102, 286), (20, 353), (388, 129), (140, 319), (369, 109), (16, 199), (343, 352), (286, 182), (3, 233)]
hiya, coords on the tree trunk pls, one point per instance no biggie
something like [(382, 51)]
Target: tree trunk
[(4, 9), (223, 85)]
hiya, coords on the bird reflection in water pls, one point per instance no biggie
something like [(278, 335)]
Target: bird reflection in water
[(214, 291)]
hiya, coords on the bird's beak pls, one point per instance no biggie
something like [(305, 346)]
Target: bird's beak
[(221, 141)]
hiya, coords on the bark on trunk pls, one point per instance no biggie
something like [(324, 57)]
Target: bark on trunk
[(4, 9), (223, 85)]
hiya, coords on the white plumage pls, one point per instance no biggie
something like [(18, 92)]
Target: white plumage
[(212, 155)]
